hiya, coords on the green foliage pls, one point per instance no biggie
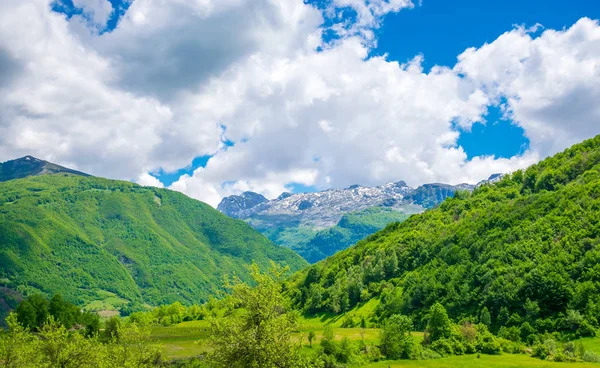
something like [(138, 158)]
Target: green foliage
[(526, 248), (396, 342), (591, 357), (439, 325), (257, 331), (33, 314), (56, 346), (485, 317), (92, 239), (315, 245)]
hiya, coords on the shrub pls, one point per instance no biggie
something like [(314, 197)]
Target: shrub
[(510, 333), (470, 348), (427, 354), (509, 347), (540, 351), (486, 342), (468, 331), (586, 329), (569, 349), (443, 347), (591, 357)]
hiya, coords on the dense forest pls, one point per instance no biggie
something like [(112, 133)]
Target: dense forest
[(521, 255), (315, 245), (112, 245)]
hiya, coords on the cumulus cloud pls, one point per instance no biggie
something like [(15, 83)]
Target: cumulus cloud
[(175, 80), (551, 82), (98, 11)]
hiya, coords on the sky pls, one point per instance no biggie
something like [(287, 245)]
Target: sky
[(216, 97)]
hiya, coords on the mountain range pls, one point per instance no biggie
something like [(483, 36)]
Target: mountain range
[(525, 251), (114, 245), (316, 225)]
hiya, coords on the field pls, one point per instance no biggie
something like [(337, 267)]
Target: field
[(471, 361), (190, 339)]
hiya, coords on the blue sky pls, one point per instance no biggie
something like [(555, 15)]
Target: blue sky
[(240, 88), (440, 30)]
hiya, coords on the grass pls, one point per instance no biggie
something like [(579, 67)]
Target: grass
[(184, 340), (471, 361), (190, 339)]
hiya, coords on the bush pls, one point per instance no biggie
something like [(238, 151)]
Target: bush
[(591, 357), (510, 347), (427, 354), (443, 347), (586, 329), (510, 333), (470, 348), (488, 344), (540, 351)]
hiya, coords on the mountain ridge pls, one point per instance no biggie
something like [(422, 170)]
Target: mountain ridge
[(107, 244), (305, 222), (27, 166)]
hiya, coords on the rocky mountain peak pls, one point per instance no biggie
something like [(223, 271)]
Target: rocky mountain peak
[(234, 205), (31, 166)]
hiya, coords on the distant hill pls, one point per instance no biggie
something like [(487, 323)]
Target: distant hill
[(316, 224), (525, 248), (30, 166), (107, 244)]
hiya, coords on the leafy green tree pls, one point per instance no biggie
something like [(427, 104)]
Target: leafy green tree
[(439, 325), (503, 317), (18, 348), (26, 315), (485, 317), (328, 343), (395, 340), (311, 337), (59, 348), (258, 334), (112, 328)]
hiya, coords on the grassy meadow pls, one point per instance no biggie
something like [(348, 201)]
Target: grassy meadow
[(190, 339)]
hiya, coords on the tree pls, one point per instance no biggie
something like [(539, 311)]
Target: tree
[(40, 304), (258, 333), (485, 317), (311, 337), (62, 349), (26, 315), (439, 325), (112, 328), (503, 317), (18, 348), (395, 339), (328, 343)]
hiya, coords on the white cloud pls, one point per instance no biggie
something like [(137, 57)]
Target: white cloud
[(98, 11), (148, 180), (551, 82), (177, 78)]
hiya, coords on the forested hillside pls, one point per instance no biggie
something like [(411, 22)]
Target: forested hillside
[(523, 250), (108, 244)]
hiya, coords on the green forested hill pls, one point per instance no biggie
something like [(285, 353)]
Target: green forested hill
[(105, 243), (526, 248), (315, 245)]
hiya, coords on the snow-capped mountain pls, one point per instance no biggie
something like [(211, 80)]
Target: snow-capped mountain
[(299, 220)]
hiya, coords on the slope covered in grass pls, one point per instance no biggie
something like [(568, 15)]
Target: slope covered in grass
[(526, 248), (102, 242)]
